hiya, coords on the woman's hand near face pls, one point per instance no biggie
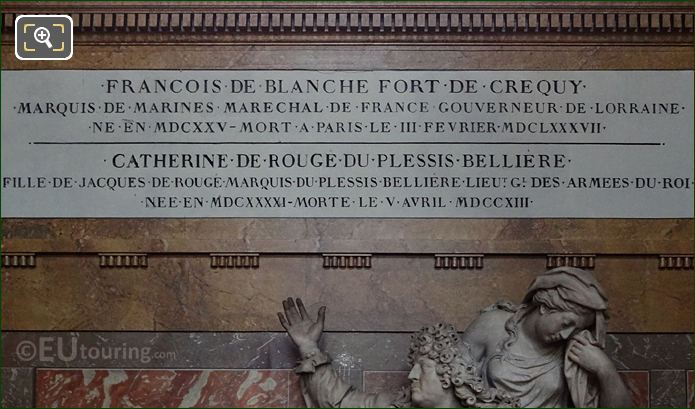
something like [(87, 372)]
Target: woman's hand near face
[(589, 356), (614, 393)]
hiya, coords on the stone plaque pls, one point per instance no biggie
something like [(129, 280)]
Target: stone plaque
[(347, 144)]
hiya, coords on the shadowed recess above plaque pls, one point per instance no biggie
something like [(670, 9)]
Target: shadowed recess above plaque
[(391, 22)]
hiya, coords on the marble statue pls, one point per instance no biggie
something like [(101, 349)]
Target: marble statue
[(443, 373), (548, 350), (545, 352)]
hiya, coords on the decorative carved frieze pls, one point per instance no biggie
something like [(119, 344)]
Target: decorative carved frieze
[(458, 261), (22, 260), (122, 260), (585, 261), (234, 260), (676, 261), (342, 260), (394, 22)]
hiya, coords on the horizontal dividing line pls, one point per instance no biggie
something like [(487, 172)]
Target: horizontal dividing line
[(339, 71), (353, 143), (390, 218), (13, 332)]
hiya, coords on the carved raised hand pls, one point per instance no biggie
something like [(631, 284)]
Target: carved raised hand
[(304, 331)]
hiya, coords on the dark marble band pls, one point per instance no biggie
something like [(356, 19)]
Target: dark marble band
[(273, 350)]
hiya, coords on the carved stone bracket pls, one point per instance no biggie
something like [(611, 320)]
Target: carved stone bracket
[(122, 260), (676, 261), (342, 260), (234, 260), (22, 260), (458, 261), (586, 261)]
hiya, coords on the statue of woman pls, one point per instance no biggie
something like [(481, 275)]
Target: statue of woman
[(443, 374), (547, 351)]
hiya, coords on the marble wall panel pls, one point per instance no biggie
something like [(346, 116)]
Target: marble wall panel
[(375, 361), (213, 388), (668, 389), (78, 388), (295, 399), (651, 351), (258, 388), (274, 350), (645, 299), (399, 293), (17, 388), (516, 236), (638, 384), (182, 293), (251, 350), (75, 293)]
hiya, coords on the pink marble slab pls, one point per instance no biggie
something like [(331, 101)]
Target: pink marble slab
[(638, 384), (296, 399), (81, 388)]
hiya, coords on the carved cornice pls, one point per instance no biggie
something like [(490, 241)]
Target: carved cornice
[(361, 23), (234, 260), (676, 261), (458, 261), (22, 260), (341, 260), (122, 260), (586, 261)]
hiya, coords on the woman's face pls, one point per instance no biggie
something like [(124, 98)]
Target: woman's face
[(558, 326)]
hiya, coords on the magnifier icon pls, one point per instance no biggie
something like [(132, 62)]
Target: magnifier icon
[(43, 36)]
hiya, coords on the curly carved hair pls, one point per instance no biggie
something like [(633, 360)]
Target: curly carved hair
[(455, 366)]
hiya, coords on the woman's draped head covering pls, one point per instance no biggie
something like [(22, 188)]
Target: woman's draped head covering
[(577, 286)]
